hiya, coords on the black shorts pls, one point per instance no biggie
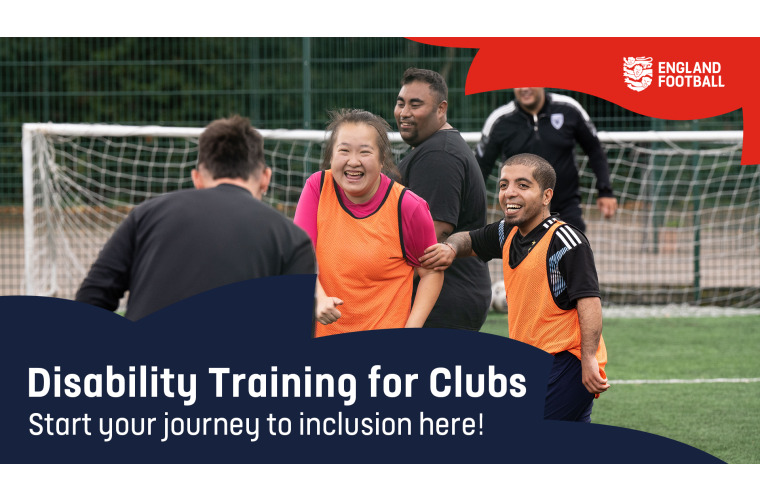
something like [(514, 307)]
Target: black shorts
[(566, 396)]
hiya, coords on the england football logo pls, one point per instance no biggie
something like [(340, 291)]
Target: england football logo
[(637, 72)]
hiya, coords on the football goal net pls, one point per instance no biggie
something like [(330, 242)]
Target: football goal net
[(687, 232)]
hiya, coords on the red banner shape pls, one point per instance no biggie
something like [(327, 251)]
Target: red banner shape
[(688, 78)]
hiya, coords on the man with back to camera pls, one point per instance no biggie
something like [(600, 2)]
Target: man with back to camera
[(549, 125), (183, 243), (550, 282), (441, 168)]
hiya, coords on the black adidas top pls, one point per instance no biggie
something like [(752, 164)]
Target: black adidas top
[(569, 257)]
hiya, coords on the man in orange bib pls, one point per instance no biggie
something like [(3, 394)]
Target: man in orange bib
[(550, 280)]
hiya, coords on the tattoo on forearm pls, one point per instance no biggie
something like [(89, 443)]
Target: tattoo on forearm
[(462, 243)]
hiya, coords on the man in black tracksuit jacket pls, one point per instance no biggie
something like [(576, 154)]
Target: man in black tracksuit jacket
[(549, 125)]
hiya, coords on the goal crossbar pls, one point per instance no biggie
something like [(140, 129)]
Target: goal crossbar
[(687, 230)]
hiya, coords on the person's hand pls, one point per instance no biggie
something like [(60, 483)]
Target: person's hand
[(438, 257), (327, 310), (590, 376), (608, 206)]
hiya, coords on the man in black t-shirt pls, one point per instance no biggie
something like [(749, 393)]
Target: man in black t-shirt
[(187, 242), (441, 168)]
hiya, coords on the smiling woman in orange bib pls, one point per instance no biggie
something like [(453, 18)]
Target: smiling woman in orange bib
[(368, 231)]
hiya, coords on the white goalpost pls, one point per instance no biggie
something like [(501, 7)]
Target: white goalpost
[(687, 232)]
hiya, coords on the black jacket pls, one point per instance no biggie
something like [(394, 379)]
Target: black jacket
[(552, 134)]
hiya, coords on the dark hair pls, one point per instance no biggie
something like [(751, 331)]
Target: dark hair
[(232, 148), (542, 170), (433, 79), (340, 117)]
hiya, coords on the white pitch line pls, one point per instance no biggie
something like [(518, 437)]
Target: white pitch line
[(688, 381)]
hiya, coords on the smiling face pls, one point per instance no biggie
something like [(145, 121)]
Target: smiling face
[(418, 112), (356, 162), (531, 99), (524, 203)]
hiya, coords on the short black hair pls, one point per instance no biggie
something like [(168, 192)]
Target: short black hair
[(434, 79), (542, 170), (231, 148)]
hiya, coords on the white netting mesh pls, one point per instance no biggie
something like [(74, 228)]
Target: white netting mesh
[(687, 231)]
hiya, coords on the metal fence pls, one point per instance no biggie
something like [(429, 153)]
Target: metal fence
[(278, 82)]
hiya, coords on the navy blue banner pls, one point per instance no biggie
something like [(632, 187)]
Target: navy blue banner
[(233, 376)]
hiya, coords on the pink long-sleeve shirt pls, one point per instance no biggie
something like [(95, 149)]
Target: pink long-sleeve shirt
[(416, 222)]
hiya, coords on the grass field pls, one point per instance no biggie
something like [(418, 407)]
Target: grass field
[(720, 418)]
